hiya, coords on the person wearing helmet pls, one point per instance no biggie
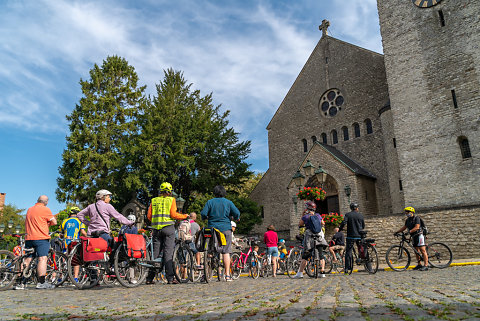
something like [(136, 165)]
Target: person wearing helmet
[(71, 227), (234, 239), (218, 212), (162, 212), (309, 243), (100, 213), (413, 224), (130, 229), (355, 223), (282, 249)]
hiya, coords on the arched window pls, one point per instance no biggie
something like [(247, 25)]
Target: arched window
[(464, 147), (304, 141), (368, 124), (334, 137), (356, 129), (324, 138), (314, 139), (345, 133)]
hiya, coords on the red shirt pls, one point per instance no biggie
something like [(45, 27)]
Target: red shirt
[(270, 238), (36, 222)]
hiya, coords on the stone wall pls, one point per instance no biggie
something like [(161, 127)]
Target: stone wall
[(458, 228)]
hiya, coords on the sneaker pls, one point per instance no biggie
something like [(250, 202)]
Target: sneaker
[(45, 285), (134, 281), (423, 268), (20, 286), (418, 267), (298, 276), (228, 278), (322, 275)]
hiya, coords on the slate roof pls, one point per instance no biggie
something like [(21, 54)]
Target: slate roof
[(347, 161)]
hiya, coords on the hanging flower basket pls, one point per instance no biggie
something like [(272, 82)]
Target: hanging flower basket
[(311, 194), (332, 219)]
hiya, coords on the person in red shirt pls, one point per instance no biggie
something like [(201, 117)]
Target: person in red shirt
[(39, 218), (271, 240)]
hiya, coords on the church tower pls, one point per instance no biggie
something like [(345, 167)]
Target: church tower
[(432, 61)]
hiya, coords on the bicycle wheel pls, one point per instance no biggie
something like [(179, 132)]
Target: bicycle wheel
[(266, 270), (351, 261), (439, 255), (182, 264), (339, 266), (236, 266), (310, 267), (57, 272), (328, 263), (293, 261), (398, 258), (371, 260), (129, 271), (208, 262), (82, 275), (254, 265), (7, 269)]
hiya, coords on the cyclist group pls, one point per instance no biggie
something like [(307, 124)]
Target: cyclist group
[(162, 213)]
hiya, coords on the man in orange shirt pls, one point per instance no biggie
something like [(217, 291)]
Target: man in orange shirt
[(39, 218)]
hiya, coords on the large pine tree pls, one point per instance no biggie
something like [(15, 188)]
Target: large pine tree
[(100, 128)]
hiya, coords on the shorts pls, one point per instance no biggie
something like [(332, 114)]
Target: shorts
[(41, 247), (228, 237), (273, 251), (339, 248), (192, 247), (418, 240)]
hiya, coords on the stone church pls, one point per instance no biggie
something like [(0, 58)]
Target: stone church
[(390, 131)]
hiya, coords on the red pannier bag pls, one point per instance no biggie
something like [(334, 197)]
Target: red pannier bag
[(136, 246), (93, 248)]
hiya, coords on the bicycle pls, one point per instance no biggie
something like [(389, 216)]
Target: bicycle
[(368, 254), (246, 261), (183, 262), (398, 257), (337, 267), (12, 267), (312, 268), (128, 269)]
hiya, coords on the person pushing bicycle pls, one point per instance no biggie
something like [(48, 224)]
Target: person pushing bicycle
[(413, 224), (355, 223)]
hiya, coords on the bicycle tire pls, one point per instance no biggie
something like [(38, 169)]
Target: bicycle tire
[(254, 266), (182, 263), (439, 255), (350, 259), (207, 262), (293, 261), (339, 267), (57, 271), (398, 258), (236, 267), (8, 268), (371, 260), (85, 280), (266, 270), (328, 263), (129, 272)]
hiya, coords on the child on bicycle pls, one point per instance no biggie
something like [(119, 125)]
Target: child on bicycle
[(271, 239), (282, 249)]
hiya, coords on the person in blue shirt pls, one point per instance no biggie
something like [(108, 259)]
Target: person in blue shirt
[(72, 228), (218, 212)]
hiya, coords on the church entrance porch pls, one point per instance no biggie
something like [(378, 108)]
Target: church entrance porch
[(331, 202)]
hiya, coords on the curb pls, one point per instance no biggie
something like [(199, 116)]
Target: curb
[(451, 264)]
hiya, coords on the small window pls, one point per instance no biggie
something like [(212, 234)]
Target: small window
[(305, 147), (400, 185), (464, 147), (454, 99), (345, 133), (368, 124), (334, 136), (394, 143), (314, 139), (324, 138), (442, 18), (262, 211), (356, 130)]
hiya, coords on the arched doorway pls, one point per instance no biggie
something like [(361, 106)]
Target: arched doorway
[(331, 202)]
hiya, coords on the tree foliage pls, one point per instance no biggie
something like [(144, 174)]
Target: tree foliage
[(100, 128), (11, 212)]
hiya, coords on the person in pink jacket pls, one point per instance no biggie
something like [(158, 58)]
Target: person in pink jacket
[(271, 240)]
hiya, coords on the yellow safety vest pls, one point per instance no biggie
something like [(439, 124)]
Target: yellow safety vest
[(161, 212)]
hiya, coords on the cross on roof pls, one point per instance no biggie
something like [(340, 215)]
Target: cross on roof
[(324, 26)]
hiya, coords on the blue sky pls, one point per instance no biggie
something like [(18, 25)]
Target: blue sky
[(248, 53)]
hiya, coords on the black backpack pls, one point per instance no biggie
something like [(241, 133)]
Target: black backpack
[(315, 224), (424, 227)]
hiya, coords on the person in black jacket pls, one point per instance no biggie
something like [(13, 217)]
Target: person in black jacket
[(355, 223)]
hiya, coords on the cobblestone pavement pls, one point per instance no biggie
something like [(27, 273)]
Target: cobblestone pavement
[(448, 294)]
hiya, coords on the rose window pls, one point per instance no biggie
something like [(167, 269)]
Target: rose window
[(331, 103)]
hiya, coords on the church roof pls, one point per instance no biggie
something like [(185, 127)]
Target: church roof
[(347, 161)]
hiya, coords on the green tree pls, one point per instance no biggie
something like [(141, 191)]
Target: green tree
[(11, 212), (101, 126), (187, 141)]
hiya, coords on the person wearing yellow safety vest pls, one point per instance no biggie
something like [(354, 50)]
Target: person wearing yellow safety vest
[(162, 212)]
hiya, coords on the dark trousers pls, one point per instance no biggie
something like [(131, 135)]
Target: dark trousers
[(164, 241), (348, 253)]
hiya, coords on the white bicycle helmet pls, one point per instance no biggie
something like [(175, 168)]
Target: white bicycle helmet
[(132, 218), (233, 224)]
